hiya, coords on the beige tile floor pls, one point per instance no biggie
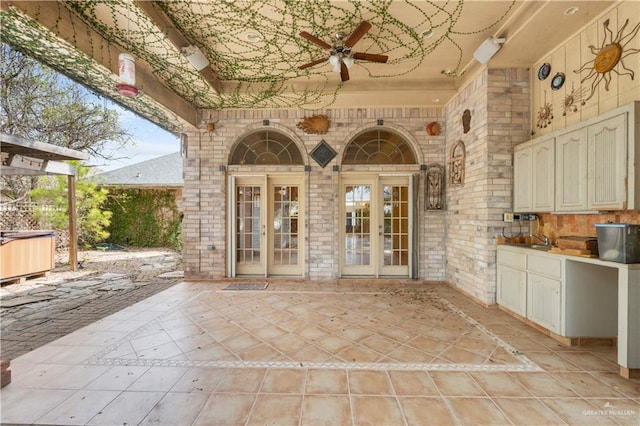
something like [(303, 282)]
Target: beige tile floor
[(329, 353)]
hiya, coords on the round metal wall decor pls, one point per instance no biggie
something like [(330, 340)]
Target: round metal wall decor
[(433, 128), (557, 81), (544, 71)]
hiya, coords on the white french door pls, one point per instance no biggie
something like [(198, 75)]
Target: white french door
[(377, 224), (267, 225)]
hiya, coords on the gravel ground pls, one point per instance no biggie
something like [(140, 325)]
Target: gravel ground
[(39, 310)]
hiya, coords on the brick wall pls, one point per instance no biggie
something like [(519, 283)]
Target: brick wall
[(205, 184), (499, 104)]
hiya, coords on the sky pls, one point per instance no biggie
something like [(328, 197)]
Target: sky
[(150, 141)]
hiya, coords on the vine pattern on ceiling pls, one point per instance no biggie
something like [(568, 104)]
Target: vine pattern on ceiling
[(254, 75)]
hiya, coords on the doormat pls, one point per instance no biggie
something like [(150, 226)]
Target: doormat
[(247, 286)]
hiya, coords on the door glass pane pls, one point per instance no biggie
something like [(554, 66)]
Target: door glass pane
[(357, 225), (248, 225), (285, 225), (396, 225)]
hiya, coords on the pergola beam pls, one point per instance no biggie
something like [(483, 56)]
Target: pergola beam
[(176, 38), (20, 164), (66, 25)]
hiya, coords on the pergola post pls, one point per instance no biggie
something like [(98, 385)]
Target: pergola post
[(73, 240)]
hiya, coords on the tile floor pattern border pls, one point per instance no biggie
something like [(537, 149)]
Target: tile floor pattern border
[(54, 384), (524, 363)]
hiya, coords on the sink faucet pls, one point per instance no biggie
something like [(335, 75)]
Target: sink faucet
[(543, 238)]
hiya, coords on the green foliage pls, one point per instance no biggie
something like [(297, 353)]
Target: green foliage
[(92, 220), (145, 218)]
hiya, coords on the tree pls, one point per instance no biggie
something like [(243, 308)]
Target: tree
[(92, 220), (39, 104)]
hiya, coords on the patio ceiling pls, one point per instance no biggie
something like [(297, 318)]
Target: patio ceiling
[(254, 49)]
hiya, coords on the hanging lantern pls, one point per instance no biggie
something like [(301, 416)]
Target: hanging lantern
[(127, 72)]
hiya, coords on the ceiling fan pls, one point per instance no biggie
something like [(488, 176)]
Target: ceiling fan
[(341, 57)]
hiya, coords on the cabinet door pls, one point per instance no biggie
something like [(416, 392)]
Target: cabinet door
[(607, 159), (543, 301), (571, 171), (522, 172), (512, 289), (543, 183)]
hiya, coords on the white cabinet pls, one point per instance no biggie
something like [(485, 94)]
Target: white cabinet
[(543, 301), (533, 170), (544, 282), (591, 166), (594, 165), (571, 170), (522, 176), (529, 283), (512, 289), (572, 297), (607, 160)]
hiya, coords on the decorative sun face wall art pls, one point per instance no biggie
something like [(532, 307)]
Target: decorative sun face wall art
[(601, 65), (609, 57)]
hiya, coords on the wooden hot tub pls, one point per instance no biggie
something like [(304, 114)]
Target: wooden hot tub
[(24, 253)]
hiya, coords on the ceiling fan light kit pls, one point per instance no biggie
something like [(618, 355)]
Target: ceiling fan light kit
[(487, 49), (341, 57)]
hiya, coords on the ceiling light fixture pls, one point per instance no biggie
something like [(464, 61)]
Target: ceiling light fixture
[(427, 33), (253, 37), (488, 48), (571, 11), (196, 57), (336, 60)]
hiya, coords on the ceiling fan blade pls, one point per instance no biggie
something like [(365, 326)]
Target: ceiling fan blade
[(312, 63), (359, 32), (370, 57), (344, 72), (315, 40)]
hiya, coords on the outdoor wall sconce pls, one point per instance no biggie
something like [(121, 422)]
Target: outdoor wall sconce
[(380, 122), (265, 122)]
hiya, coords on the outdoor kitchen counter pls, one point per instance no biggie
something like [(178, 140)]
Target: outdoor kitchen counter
[(585, 286)]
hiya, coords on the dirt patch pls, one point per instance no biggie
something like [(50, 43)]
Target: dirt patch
[(139, 263)]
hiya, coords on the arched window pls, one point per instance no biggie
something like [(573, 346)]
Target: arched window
[(378, 147), (266, 147)]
